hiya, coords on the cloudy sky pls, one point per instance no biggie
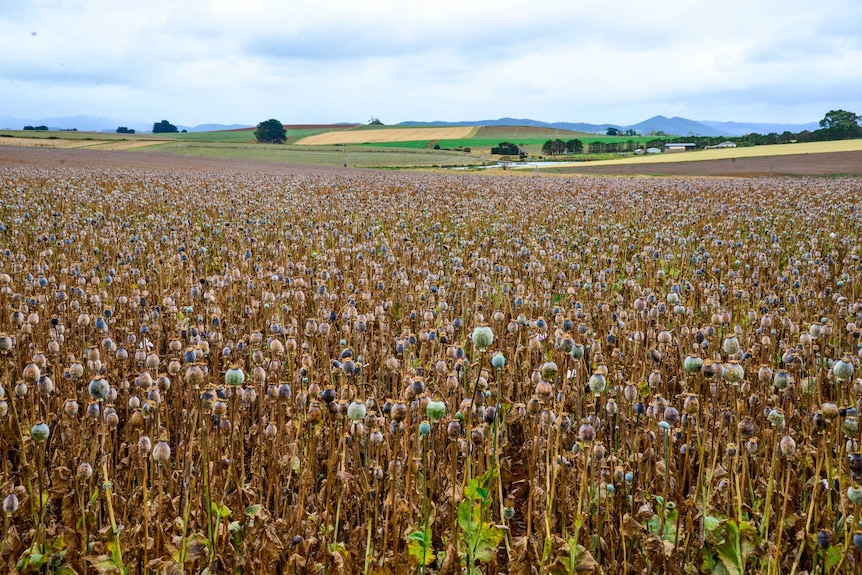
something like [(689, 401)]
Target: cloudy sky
[(243, 61)]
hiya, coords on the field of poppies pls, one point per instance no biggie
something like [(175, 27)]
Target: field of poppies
[(359, 372)]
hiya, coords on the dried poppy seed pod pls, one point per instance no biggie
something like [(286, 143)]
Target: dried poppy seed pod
[(31, 373), (84, 472), (10, 504), (453, 430), (787, 446), (544, 391), (144, 446), (399, 411), (162, 452)]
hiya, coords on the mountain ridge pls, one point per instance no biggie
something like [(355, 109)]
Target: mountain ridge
[(675, 125)]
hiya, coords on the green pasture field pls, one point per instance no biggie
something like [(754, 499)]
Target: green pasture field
[(239, 136)]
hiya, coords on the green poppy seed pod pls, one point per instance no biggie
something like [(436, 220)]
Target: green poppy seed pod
[(10, 504), (356, 411), (854, 494), (40, 432), (577, 352), (842, 370), (161, 452), (692, 364), (730, 345), (482, 338), (424, 428), (234, 376), (435, 410), (734, 373), (549, 370), (850, 426), (673, 298), (98, 389), (498, 361), (597, 383), (775, 418)]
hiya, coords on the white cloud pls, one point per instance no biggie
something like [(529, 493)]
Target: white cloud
[(227, 61)]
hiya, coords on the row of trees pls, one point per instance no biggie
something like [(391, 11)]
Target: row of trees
[(556, 147), (836, 125)]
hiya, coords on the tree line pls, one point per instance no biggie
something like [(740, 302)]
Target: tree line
[(836, 125)]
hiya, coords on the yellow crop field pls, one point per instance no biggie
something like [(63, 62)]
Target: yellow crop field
[(386, 135)]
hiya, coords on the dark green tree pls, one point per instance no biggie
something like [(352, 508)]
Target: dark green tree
[(270, 132), (841, 125), (506, 149), (553, 147), (164, 127), (575, 146), (125, 130), (613, 131)]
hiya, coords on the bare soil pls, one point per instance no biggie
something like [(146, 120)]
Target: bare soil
[(103, 159), (825, 164)]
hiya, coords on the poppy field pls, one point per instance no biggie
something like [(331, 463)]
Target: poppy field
[(336, 372)]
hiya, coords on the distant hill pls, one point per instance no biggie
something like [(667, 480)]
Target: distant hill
[(744, 128), (571, 126), (672, 126), (676, 125), (87, 123), (213, 127)]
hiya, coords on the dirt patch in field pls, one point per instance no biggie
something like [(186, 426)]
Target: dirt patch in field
[(823, 164), (490, 132), (386, 135)]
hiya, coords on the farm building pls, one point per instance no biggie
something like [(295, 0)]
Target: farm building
[(653, 151), (722, 145), (685, 147)]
